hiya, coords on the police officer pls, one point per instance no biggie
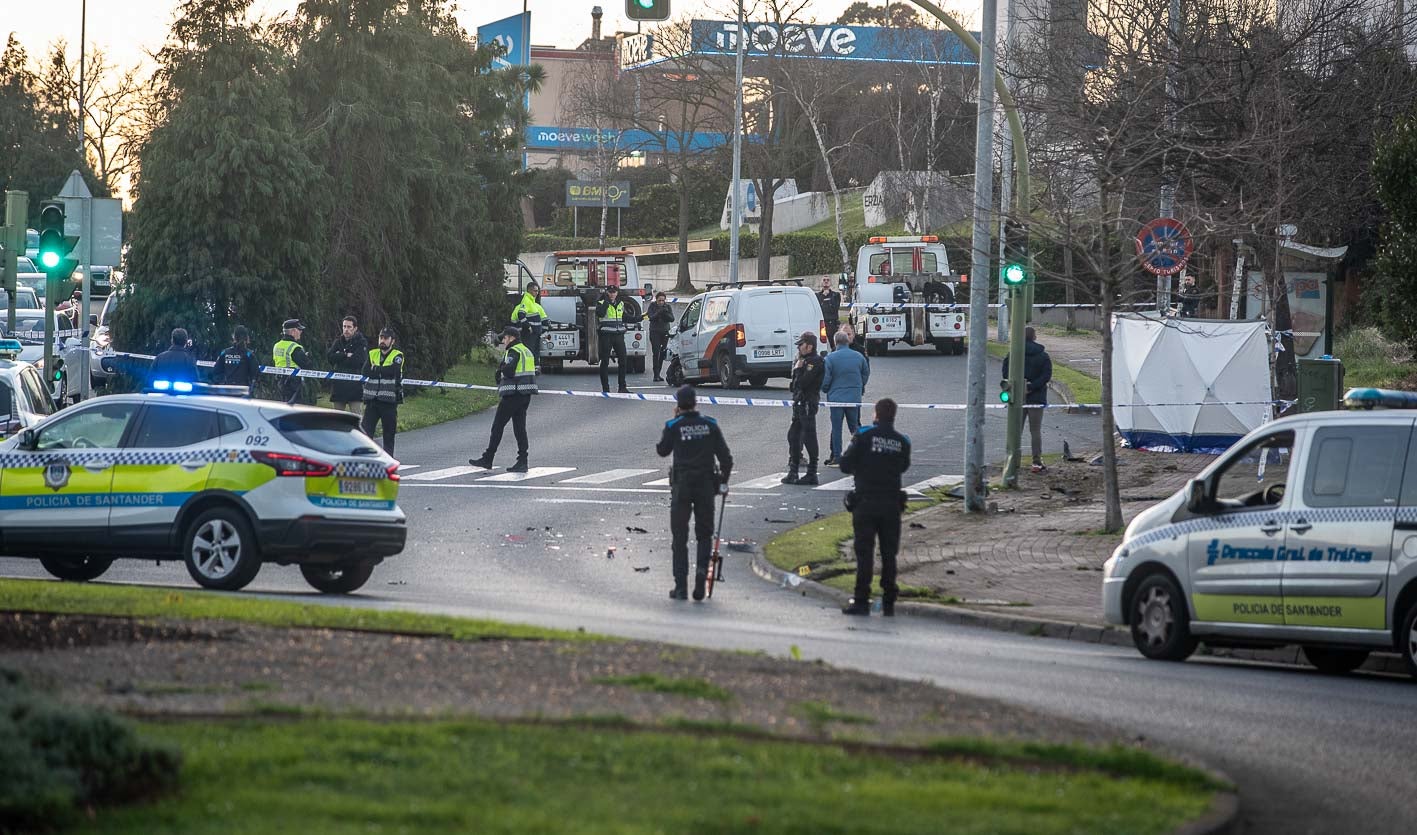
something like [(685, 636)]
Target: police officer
[(530, 316), (289, 353), (176, 364), (516, 383), (696, 441), (877, 456), (610, 311), (830, 301), (383, 387), (807, 374), (236, 366)]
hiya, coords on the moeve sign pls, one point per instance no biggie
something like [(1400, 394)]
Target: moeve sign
[(514, 34), (582, 193), (849, 43)]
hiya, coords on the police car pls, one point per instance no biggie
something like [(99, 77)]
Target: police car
[(222, 483), (1305, 532)]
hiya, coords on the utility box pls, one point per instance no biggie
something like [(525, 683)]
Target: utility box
[(1320, 384)]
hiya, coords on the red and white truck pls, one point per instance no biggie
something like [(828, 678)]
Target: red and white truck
[(571, 284), (904, 292)]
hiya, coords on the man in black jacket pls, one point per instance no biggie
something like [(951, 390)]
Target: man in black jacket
[(347, 355), (830, 301), (807, 375), (176, 364), (696, 441), (1037, 374), (661, 317), (236, 366), (876, 456)]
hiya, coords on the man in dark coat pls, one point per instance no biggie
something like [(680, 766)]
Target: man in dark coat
[(1037, 373), (347, 354)]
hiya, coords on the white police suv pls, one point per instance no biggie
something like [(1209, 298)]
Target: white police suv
[(1305, 532), (223, 483)]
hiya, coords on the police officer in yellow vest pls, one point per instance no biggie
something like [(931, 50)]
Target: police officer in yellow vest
[(383, 387), (530, 316), (289, 353), (610, 310), (516, 383)]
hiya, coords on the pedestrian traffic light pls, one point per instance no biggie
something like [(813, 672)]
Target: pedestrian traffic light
[(647, 9), (54, 245), (1004, 394)]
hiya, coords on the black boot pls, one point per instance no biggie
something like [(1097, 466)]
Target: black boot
[(857, 607), (485, 462), (680, 591), (811, 476), (887, 608), (519, 467), (791, 477), (699, 580)]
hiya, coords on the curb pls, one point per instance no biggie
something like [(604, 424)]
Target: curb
[(1378, 662), (1224, 812)]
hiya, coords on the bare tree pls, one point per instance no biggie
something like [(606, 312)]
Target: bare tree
[(114, 110), (593, 99)]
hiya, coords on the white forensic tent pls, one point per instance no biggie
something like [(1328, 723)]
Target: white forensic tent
[(1188, 385)]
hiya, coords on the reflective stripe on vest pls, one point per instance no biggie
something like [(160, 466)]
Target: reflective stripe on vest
[(284, 353), (529, 310), (524, 381), (614, 321), (382, 388)]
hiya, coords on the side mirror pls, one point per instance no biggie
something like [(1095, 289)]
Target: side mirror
[(1196, 500), (28, 440)]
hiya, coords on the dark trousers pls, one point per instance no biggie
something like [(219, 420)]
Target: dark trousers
[(292, 390), (691, 495), (376, 411), (1035, 432), (612, 342), (802, 432), (511, 407), (658, 342), (531, 338), (832, 325), (871, 520)]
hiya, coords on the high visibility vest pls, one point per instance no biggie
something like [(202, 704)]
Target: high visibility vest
[(523, 380), (614, 320), (529, 311), (382, 386), (284, 353)]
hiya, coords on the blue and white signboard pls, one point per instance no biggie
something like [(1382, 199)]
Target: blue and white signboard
[(552, 138), (514, 34), (845, 43)]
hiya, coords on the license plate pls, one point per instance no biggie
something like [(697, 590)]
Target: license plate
[(767, 353), (358, 487), (563, 340), (893, 321)]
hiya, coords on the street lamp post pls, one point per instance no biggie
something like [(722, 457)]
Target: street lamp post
[(735, 209)]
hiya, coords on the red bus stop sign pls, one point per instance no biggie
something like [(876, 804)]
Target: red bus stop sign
[(1164, 245)]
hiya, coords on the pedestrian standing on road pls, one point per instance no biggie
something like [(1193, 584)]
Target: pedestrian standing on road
[(530, 316), (661, 317), (289, 353), (830, 300), (696, 443), (516, 383), (383, 387), (176, 364), (847, 373), (807, 374), (877, 457), (347, 355), (236, 366), (610, 311), (1037, 373)]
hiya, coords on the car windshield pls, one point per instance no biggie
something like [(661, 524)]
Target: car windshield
[(31, 239), (24, 298), (24, 265), (330, 434)]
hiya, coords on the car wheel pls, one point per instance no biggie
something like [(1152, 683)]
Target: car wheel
[(757, 381), (1335, 662), (944, 347), (220, 550), (76, 569), (1161, 627), (338, 579), (1407, 639), (726, 374)]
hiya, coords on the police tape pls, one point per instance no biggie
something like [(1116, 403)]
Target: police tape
[(714, 400)]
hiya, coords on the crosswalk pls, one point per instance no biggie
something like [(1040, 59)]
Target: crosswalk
[(619, 478)]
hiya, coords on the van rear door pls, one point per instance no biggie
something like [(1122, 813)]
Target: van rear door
[(805, 313), (768, 326)]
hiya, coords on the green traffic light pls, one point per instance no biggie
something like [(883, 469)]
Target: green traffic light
[(1015, 274), (645, 4), (49, 259), (1004, 397)]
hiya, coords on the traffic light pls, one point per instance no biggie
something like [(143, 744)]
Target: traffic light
[(54, 245), (1005, 395), (647, 9), (1015, 272), (1015, 275)]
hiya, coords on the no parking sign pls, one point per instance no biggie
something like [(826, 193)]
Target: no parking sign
[(1164, 245)]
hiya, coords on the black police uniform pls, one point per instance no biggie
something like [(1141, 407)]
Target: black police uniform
[(876, 456), (236, 366), (830, 301), (695, 441)]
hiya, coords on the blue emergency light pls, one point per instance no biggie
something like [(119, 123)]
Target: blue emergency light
[(184, 387), (10, 348), (1371, 398)]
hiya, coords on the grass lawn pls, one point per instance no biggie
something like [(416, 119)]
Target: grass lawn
[(339, 775), (138, 601), (1371, 360), (424, 406), (1085, 388)]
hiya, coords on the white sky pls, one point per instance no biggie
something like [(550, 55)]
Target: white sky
[(127, 29)]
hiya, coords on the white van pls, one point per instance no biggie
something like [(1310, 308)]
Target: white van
[(1305, 532), (741, 332)]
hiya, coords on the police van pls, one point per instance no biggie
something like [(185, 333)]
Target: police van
[(1305, 532), (222, 483)]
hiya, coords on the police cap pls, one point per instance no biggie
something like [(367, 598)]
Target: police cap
[(512, 330), (293, 323)]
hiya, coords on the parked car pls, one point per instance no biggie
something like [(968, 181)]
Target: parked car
[(68, 348), (24, 401), (25, 299), (742, 332)]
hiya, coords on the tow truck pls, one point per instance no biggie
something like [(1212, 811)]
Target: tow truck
[(572, 283), (905, 293)]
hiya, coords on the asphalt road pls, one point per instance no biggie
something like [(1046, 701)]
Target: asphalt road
[(1311, 753)]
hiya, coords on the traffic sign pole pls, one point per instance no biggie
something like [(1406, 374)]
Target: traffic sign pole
[(17, 207)]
